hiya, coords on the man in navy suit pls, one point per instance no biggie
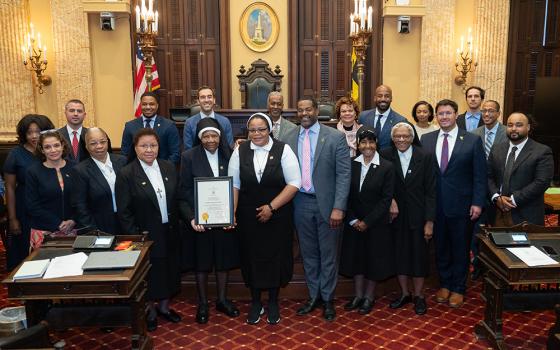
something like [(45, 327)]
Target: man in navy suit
[(73, 131), (382, 118), (169, 141), (207, 101), (472, 118), (461, 189)]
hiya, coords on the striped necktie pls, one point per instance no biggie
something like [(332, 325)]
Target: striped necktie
[(488, 143)]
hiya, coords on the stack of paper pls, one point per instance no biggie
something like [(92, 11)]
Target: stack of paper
[(31, 269), (532, 256), (68, 265)]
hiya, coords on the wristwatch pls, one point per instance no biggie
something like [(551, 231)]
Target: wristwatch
[(272, 210)]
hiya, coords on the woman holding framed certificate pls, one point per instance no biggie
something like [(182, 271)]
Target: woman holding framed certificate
[(266, 177), (213, 247)]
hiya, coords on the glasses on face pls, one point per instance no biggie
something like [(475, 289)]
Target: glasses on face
[(401, 137), (146, 147), (95, 143), (445, 114), (489, 111), (257, 130)]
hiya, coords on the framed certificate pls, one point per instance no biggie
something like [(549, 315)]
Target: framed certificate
[(213, 201)]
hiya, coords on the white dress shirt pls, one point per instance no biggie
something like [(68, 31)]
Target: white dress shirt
[(384, 119), (71, 133), (156, 180), (211, 115), (109, 175), (405, 160), (214, 162), (451, 139), (364, 170), (289, 162), (519, 148)]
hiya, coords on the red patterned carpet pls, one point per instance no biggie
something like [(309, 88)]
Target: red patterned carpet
[(441, 328)]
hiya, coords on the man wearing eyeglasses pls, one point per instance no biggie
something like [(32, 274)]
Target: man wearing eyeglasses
[(73, 131), (493, 132), (170, 142), (461, 190)]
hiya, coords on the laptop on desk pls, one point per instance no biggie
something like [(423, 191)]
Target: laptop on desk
[(111, 260)]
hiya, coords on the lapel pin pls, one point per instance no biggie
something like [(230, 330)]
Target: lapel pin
[(158, 125), (271, 157), (461, 137), (221, 167), (166, 179), (410, 171), (374, 166), (143, 184)]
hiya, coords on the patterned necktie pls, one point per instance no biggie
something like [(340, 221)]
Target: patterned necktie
[(306, 163), (507, 171), (378, 125), (488, 143), (444, 154), (148, 122), (275, 130), (75, 144)]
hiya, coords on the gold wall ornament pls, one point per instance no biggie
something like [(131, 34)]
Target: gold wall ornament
[(361, 28), (259, 27), (466, 60), (35, 58), (147, 31)]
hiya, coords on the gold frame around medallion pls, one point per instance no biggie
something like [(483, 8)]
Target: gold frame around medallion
[(275, 27)]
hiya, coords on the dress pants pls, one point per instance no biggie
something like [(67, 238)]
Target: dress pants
[(452, 236), (318, 245)]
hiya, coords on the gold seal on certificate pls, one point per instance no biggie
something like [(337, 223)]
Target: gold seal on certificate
[(213, 201)]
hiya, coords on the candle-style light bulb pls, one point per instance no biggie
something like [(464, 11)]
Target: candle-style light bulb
[(137, 18), (45, 53)]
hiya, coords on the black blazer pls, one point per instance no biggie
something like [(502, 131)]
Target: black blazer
[(82, 151), (138, 208), (415, 194), (92, 200), (462, 124), (194, 163), (531, 175), (372, 203)]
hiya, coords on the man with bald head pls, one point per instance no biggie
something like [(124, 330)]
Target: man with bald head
[(519, 171), (382, 118), (280, 125)]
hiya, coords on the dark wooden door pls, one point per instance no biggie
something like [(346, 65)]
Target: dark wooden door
[(189, 51)]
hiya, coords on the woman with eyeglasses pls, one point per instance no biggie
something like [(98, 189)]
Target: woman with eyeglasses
[(266, 177), (412, 214), (48, 188), (367, 244), (93, 197), (145, 192), (423, 114), (20, 158)]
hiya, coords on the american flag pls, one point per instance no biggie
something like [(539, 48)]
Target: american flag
[(140, 84)]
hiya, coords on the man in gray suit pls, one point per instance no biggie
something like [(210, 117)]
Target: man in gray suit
[(519, 171), (382, 118), (280, 125), (492, 132), (320, 204)]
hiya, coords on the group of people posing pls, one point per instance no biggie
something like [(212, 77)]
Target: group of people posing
[(365, 200)]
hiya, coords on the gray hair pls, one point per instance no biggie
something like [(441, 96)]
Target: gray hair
[(275, 93), (406, 125), (88, 132)]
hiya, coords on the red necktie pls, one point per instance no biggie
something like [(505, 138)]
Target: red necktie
[(75, 144), (444, 154)]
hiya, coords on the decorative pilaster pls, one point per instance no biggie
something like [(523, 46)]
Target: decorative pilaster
[(437, 50), (74, 72), (17, 97), (491, 35)]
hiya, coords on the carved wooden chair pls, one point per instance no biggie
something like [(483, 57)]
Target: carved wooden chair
[(256, 83)]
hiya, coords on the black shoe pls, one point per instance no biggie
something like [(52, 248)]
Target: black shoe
[(420, 306), (255, 313), (400, 302), (366, 307), (227, 307), (170, 315), (151, 324), (309, 306), (106, 329), (329, 313), (202, 314), (353, 304), (273, 314)]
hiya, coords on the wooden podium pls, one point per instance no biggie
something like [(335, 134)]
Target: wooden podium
[(511, 285), (104, 298)]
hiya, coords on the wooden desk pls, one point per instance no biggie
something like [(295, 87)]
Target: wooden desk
[(504, 271), (109, 298)]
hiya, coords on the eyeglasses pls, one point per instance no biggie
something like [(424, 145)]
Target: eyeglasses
[(258, 130), (95, 143), (401, 137), (148, 146), (489, 111), (446, 113)]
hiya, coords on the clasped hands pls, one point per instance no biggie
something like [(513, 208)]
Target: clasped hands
[(505, 203)]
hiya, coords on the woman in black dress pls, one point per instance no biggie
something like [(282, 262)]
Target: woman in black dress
[(214, 248), (48, 188), (367, 243), (413, 212), (145, 193), (17, 163), (266, 177), (93, 197)]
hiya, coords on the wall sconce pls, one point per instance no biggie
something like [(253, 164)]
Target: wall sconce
[(35, 58), (147, 31), (361, 27), (466, 60)]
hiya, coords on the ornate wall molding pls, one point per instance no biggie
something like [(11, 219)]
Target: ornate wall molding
[(17, 97), (436, 50)]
